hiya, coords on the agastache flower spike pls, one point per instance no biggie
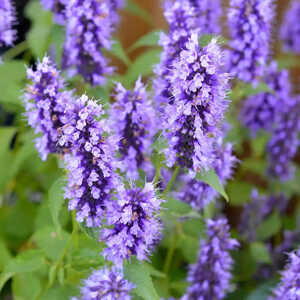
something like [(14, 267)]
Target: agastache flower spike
[(208, 15), (7, 20), (58, 7), (289, 287), (261, 111), (250, 28), (181, 18), (91, 179), (47, 108), (106, 284), (133, 121), (136, 227), (284, 142), (210, 277), (290, 29), (89, 29), (199, 88), (197, 193)]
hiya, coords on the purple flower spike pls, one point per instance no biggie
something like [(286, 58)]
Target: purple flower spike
[(89, 29), (133, 120), (181, 18), (284, 141), (91, 162), (210, 276), (136, 225), (106, 284), (58, 7), (250, 27), (47, 108), (7, 20), (261, 111), (197, 193), (192, 119), (289, 287), (290, 29), (208, 15)]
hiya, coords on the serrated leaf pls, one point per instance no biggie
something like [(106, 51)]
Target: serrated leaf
[(260, 253), (210, 177), (143, 65), (39, 35), (56, 200), (148, 40), (26, 262), (137, 273), (118, 51), (135, 9), (269, 227)]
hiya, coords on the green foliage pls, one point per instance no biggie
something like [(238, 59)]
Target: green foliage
[(148, 40)]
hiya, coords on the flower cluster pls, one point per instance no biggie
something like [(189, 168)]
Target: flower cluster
[(210, 276), (197, 193), (257, 210), (250, 29), (106, 284), (90, 162), (47, 108), (133, 120), (136, 227), (208, 15), (7, 19), (260, 111), (289, 288), (58, 7), (284, 141), (89, 28), (181, 18), (290, 29), (199, 88)]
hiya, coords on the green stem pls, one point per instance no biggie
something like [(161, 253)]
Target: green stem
[(13, 52), (170, 253), (171, 182), (157, 175)]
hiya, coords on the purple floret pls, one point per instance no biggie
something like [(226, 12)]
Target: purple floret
[(289, 287), (106, 284), (89, 29), (261, 111), (90, 162), (181, 18), (210, 277), (136, 227), (284, 142), (290, 29), (208, 15), (133, 120), (199, 101), (58, 7), (250, 28), (47, 107), (199, 194), (7, 20)]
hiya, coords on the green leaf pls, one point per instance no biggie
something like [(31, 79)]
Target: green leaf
[(118, 51), (213, 180), (39, 35), (263, 291), (48, 240), (26, 286), (5, 255), (56, 200), (148, 40), (143, 65), (269, 227), (137, 10), (137, 273), (260, 253), (26, 262), (239, 192)]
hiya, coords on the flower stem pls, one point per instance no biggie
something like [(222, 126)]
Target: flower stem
[(171, 182)]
